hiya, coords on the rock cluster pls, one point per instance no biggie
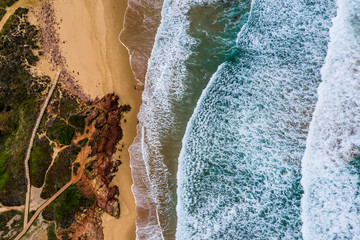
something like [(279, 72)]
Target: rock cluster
[(105, 116), (99, 172)]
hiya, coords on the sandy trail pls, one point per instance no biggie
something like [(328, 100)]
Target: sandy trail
[(42, 208), (74, 179), (33, 135)]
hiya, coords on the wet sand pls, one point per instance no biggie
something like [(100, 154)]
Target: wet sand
[(100, 64)]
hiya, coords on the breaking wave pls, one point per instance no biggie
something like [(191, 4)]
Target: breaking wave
[(331, 166), (240, 164)]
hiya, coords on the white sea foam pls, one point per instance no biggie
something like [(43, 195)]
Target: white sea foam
[(165, 84), (331, 202), (239, 168), (142, 19)]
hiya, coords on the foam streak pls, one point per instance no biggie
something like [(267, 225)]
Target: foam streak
[(331, 202)]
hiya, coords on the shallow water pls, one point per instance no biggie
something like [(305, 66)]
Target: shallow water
[(194, 37), (142, 18)]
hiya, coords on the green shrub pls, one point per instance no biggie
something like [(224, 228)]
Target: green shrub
[(68, 105), (78, 122), (7, 3), (14, 20), (19, 98), (16, 225), (64, 208), (60, 172), (2, 13), (4, 174), (61, 132), (76, 168), (13, 180), (83, 142), (20, 11), (40, 160), (51, 232)]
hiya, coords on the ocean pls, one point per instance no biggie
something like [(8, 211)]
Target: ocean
[(249, 125), (331, 163), (240, 164), (179, 68)]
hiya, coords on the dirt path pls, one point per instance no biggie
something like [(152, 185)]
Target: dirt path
[(26, 161), (74, 179), (42, 208), (6, 208)]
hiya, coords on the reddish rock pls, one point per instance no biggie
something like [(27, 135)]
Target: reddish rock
[(113, 208), (106, 118), (87, 225), (98, 173)]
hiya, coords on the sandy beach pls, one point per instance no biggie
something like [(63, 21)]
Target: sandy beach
[(100, 64)]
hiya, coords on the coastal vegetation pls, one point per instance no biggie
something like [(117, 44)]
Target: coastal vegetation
[(54, 159), (20, 95), (2, 13), (78, 122), (76, 168), (68, 105), (3, 5), (60, 172), (51, 235), (61, 132), (83, 142), (40, 159), (7, 3), (63, 209), (10, 223)]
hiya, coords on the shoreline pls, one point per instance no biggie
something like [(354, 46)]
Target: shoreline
[(100, 64)]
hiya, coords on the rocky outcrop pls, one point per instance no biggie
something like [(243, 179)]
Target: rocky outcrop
[(87, 225), (105, 116)]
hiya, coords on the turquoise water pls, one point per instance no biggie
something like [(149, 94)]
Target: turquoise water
[(250, 122), (240, 166)]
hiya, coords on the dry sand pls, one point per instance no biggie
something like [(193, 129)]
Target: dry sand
[(89, 35)]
